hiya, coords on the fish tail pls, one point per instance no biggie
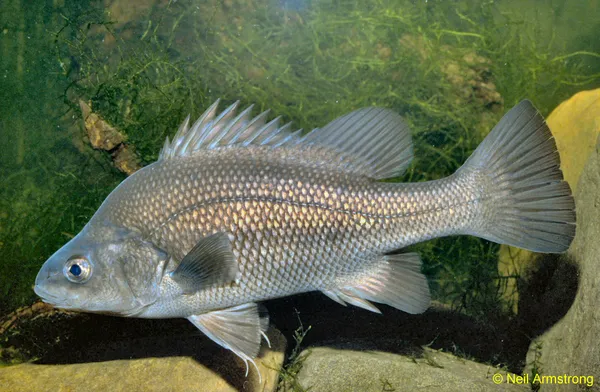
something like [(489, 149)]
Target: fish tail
[(525, 201)]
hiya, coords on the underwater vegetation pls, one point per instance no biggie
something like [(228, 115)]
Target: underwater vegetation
[(451, 69)]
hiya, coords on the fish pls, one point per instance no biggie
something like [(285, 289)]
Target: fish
[(238, 210)]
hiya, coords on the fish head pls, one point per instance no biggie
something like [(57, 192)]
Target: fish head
[(111, 271)]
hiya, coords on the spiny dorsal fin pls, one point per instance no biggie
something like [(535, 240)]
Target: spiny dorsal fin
[(372, 141), (210, 262), (211, 131)]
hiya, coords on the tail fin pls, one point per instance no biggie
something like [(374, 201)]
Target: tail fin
[(529, 204)]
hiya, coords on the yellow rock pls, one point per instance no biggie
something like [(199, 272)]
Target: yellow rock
[(575, 124)]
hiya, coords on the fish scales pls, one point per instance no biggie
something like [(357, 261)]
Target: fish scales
[(237, 210), (281, 210)]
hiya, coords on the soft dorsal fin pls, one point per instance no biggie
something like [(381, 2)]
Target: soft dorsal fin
[(377, 140), (372, 141)]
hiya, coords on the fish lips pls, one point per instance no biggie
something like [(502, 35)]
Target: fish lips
[(49, 298)]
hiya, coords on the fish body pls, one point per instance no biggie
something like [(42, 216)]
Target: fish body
[(237, 211), (294, 225)]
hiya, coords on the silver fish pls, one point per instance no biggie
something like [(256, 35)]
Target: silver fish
[(238, 210)]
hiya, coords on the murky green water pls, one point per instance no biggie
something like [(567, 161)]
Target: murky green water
[(451, 68)]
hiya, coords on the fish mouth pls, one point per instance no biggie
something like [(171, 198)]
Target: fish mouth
[(50, 299)]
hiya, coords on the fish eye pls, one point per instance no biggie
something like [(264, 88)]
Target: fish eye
[(77, 269)]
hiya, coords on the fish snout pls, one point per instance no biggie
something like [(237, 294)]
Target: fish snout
[(46, 272), (43, 280), (41, 292)]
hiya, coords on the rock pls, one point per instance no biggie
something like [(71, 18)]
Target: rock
[(103, 136), (575, 124), (571, 346), (124, 12), (467, 72), (328, 369), (210, 368), (37, 309), (472, 79), (125, 159), (26, 333)]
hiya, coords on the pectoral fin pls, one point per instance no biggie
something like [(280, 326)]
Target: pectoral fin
[(210, 262), (394, 280), (238, 329)]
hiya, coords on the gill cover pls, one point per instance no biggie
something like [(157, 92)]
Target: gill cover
[(103, 270)]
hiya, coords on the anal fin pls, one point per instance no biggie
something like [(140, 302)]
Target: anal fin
[(394, 280)]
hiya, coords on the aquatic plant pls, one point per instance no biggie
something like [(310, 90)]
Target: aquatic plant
[(536, 366), (288, 375)]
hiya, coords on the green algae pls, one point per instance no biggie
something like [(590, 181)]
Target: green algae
[(288, 375), (450, 69)]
